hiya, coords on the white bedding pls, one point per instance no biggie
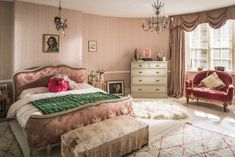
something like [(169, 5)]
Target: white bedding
[(23, 109)]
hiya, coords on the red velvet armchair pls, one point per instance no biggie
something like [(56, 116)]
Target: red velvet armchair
[(225, 95)]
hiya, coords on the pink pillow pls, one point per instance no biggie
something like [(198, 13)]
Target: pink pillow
[(57, 85)]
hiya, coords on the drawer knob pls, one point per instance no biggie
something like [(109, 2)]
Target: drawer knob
[(140, 65), (140, 72), (157, 80), (140, 80), (157, 72), (157, 65), (157, 89), (140, 89)]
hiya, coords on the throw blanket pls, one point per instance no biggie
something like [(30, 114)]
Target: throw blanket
[(63, 103)]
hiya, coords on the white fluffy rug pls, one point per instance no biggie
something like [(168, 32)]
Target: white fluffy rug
[(159, 109)]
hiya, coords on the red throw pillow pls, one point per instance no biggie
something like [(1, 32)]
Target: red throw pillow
[(57, 85)]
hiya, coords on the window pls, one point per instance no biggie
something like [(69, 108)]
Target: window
[(210, 47)]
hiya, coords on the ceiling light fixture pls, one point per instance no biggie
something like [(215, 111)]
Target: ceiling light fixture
[(156, 22), (60, 24)]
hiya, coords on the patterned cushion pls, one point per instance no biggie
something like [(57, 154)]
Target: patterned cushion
[(57, 85), (212, 82)]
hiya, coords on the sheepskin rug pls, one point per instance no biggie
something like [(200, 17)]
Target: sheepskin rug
[(159, 109)]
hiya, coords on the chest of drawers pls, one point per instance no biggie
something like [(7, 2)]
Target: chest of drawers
[(149, 79)]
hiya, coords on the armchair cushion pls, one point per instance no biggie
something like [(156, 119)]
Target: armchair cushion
[(212, 82)]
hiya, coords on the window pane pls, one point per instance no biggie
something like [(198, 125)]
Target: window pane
[(226, 54), (210, 47)]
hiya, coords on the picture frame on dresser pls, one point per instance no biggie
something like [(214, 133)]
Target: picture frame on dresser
[(115, 87)]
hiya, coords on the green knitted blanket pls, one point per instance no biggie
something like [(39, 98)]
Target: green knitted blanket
[(62, 103)]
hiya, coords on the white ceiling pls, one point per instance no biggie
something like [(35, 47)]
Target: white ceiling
[(135, 8)]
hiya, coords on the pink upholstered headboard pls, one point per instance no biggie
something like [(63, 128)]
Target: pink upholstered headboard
[(39, 77)]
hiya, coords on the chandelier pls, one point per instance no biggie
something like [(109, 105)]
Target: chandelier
[(60, 24), (156, 22)]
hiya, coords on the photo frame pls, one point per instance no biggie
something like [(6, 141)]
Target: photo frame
[(116, 87), (92, 46), (50, 43), (147, 54)]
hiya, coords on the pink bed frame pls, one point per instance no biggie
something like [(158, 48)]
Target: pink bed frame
[(46, 132)]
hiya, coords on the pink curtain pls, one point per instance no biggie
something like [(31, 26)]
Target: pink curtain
[(188, 22), (177, 62)]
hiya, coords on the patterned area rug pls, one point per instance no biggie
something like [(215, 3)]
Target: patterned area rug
[(8, 145), (187, 140), (159, 109)]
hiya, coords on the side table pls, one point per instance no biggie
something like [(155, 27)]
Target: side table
[(4, 104), (98, 84)]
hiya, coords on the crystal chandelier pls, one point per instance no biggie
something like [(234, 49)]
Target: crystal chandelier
[(60, 24), (156, 22)]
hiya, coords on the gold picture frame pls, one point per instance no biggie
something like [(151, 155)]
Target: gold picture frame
[(50, 43)]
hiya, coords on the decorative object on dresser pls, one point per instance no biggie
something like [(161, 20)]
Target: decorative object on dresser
[(160, 56), (51, 43), (149, 79), (92, 46), (4, 100), (147, 54), (113, 137), (136, 55), (115, 87)]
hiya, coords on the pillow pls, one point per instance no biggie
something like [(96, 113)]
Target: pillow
[(31, 91), (81, 86), (41, 82), (57, 85), (72, 84), (212, 82)]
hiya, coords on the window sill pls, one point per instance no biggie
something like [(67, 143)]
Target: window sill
[(195, 71)]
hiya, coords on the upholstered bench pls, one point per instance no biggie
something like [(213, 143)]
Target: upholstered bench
[(109, 138)]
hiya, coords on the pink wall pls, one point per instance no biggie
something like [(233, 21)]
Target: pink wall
[(117, 39), (6, 39), (31, 21)]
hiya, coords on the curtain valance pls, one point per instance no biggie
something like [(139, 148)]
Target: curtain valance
[(215, 18)]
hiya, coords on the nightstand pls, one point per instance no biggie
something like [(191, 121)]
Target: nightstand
[(98, 84), (4, 104)]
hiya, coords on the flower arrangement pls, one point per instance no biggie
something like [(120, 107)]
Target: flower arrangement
[(57, 85)]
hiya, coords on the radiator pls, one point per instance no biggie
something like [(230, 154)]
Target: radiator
[(3, 101)]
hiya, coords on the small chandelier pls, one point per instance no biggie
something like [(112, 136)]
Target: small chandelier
[(60, 24), (156, 22)]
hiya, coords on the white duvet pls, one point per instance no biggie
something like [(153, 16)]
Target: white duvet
[(23, 109)]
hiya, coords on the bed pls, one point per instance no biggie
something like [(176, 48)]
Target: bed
[(45, 130)]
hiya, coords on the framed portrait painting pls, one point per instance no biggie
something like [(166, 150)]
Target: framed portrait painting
[(115, 87), (50, 43), (92, 46)]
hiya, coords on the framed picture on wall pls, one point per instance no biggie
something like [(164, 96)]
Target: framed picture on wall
[(50, 43), (115, 87), (92, 46)]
